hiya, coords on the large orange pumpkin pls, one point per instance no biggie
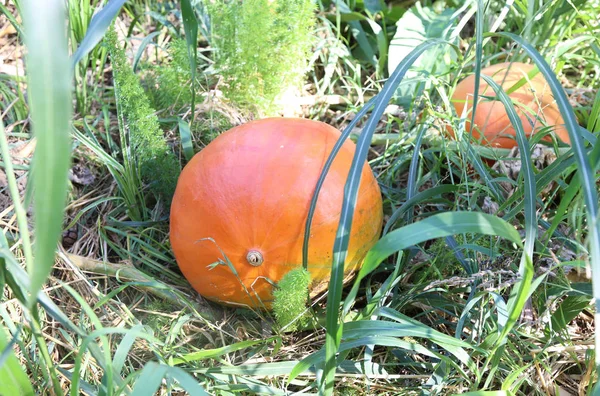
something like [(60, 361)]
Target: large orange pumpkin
[(536, 106), (239, 211)]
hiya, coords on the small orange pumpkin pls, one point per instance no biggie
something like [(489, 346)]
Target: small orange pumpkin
[(536, 105), (245, 198)]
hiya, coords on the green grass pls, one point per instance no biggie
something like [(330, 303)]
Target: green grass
[(443, 301)]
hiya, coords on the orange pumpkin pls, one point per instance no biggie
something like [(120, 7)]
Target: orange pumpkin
[(245, 198), (536, 105)]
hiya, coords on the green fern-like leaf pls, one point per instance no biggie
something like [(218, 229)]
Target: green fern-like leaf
[(157, 164), (169, 84), (262, 49), (290, 298)]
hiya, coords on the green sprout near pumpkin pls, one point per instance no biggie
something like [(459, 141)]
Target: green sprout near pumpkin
[(290, 297)]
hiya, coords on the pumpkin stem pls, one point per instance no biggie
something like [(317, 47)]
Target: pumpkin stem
[(254, 258)]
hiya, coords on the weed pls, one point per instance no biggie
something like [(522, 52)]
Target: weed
[(144, 139), (169, 84), (261, 49), (290, 299)]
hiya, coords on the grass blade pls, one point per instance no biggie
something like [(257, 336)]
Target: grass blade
[(149, 380), (520, 291), (584, 171), (378, 340), (436, 226), (190, 25), (215, 352), (350, 193), (153, 373), (49, 83), (98, 25), (16, 199), (12, 377), (411, 186), (313, 203), (478, 57), (185, 135), (186, 381), (420, 197), (142, 48)]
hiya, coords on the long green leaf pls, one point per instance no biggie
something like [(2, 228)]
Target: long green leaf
[(190, 25), (19, 207), (340, 248), (12, 377), (152, 375), (313, 203), (380, 339), (49, 84), (350, 193), (186, 381), (98, 25), (422, 196), (584, 171), (216, 352), (185, 136), (521, 289), (150, 379), (411, 186), (436, 226)]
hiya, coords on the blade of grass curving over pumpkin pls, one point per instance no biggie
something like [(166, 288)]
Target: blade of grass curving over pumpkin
[(471, 153), (190, 25), (334, 296), (49, 85), (98, 25), (336, 148), (520, 291), (560, 51), (584, 171), (478, 57)]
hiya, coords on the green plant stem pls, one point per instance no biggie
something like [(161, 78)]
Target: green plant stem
[(14, 194), (47, 359)]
